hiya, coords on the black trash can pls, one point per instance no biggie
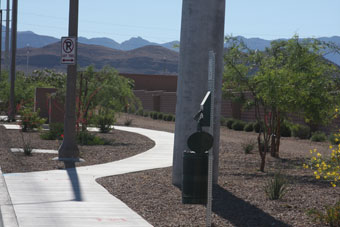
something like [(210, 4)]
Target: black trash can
[(195, 178)]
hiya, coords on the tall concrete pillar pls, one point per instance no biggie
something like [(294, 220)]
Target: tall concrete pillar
[(202, 30)]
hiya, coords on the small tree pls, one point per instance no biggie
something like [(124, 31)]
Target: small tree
[(104, 90), (24, 89), (290, 76)]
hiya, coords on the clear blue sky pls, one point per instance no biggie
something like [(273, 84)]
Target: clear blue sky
[(159, 20)]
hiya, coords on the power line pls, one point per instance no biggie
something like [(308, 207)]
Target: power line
[(103, 23), (162, 39)]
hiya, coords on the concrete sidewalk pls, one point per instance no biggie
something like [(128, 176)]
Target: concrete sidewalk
[(70, 198)]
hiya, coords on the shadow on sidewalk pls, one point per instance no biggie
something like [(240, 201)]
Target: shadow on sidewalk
[(239, 212), (73, 175)]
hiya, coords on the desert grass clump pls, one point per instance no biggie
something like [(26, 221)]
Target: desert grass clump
[(27, 146), (248, 146), (330, 217), (276, 188)]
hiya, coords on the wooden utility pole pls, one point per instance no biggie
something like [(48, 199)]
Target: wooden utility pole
[(68, 151), (202, 30), (12, 109)]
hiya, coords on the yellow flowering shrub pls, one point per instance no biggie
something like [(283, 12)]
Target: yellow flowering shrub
[(325, 168)]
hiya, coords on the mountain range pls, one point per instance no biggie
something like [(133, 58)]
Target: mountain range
[(31, 39), (135, 55), (150, 59), (261, 44)]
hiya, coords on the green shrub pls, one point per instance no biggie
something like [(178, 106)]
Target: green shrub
[(238, 125), (230, 123), (146, 114), (334, 139), (86, 138), (128, 122), (55, 133), (318, 137), (249, 127), (104, 120), (285, 129), (257, 126), (140, 112), (300, 131), (160, 116), (165, 117), (154, 115), (249, 146), (223, 121), (275, 188), (170, 117), (330, 217), (30, 120)]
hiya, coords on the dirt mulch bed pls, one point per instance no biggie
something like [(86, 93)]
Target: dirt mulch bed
[(239, 198), (124, 144)]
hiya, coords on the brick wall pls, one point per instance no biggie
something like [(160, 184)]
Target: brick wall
[(166, 83), (41, 101), (168, 102), (56, 111)]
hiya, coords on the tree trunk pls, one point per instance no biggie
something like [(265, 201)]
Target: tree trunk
[(262, 150)]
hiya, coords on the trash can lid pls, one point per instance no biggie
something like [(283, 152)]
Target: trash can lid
[(200, 142)]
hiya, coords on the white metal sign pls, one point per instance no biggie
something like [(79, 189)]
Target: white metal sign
[(68, 50)]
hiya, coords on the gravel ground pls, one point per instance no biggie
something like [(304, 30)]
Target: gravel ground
[(239, 197), (124, 144)]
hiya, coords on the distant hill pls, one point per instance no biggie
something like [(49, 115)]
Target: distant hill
[(106, 42), (147, 59), (126, 56), (31, 39), (261, 44)]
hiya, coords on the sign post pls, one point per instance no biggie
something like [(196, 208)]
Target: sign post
[(211, 88), (68, 50), (68, 151)]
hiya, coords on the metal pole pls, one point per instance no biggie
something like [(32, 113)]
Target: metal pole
[(7, 38), (69, 152), (27, 57), (13, 55), (211, 87)]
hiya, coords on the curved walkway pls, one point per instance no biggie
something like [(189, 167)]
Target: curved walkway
[(70, 198)]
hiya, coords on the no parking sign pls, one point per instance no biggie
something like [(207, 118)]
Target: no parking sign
[(68, 50)]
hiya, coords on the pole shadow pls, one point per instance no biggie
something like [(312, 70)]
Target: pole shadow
[(72, 174), (239, 212)]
